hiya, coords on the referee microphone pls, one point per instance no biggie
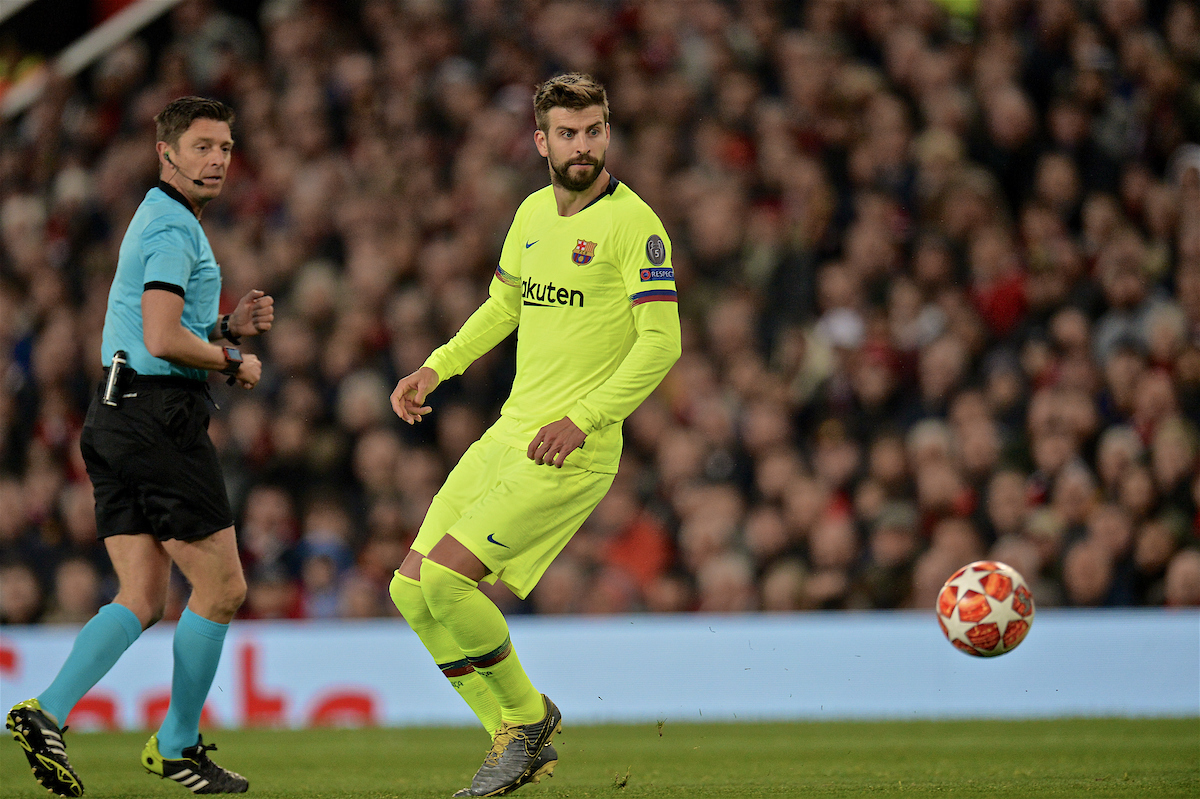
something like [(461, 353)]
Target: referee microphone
[(167, 155)]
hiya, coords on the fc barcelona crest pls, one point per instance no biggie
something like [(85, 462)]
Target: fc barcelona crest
[(584, 252)]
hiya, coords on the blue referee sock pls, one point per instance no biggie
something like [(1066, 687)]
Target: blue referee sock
[(197, 650), (98, 646)]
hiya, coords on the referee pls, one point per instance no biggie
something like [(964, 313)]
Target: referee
[(160, 495)]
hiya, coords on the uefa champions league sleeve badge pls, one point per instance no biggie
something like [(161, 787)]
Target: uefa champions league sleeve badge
[(656, 251)]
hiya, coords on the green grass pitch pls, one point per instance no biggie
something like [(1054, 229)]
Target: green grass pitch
[(992, 759)]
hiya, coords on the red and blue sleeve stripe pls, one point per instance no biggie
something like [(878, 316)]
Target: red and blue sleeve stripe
[(654, 295), (506, 278)]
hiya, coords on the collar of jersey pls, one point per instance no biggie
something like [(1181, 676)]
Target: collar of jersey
[(176, 195), (612, 187)]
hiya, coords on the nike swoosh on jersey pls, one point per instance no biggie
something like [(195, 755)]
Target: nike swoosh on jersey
[(497, 543), (529, 244)]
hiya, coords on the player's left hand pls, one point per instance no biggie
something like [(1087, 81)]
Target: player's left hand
[(253, 315), (554, 442)]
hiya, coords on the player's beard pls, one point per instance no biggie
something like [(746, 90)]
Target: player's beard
[(560, 174)]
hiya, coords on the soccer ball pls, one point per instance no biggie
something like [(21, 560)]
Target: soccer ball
[(985, 609)]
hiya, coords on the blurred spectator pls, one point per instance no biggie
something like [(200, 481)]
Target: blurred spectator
[(359, 598), (21, 599), (271, 594), (320, 583), (1087, 573), (1183, 579), (76, 595), (1156, 543), (939, 271), (892, 548)]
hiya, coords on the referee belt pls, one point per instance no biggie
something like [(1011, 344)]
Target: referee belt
[(159, 381)]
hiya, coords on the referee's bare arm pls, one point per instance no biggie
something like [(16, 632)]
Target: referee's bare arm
[(167, 338)]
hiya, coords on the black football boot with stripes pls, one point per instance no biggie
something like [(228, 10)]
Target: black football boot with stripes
[(194, 770), (43, 743)]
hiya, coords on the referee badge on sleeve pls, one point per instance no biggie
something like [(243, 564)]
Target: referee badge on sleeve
[(656, 251)]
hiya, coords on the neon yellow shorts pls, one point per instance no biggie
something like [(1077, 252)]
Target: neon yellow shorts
[(512, 514)]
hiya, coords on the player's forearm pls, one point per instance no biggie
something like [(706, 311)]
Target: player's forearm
[(644, 367), (488, 326)]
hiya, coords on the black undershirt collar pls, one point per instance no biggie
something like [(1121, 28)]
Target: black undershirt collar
[(177, 196)]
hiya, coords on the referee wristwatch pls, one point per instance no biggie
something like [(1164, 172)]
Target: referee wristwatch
[(233, 362), (227, 332)]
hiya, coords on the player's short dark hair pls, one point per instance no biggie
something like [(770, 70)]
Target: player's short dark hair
[(574, 91), (179, 115)]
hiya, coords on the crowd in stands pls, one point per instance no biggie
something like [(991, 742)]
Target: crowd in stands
[(938, 264)]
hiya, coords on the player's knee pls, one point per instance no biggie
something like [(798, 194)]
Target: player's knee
[(148, 611), (218, 596), (148, 606), (407, 596), (441, 587), (231, 595), (433, 586), (236, 591)]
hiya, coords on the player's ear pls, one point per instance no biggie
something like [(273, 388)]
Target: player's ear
[(539, 141)]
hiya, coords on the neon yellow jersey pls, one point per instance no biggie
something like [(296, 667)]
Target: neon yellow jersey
[(592, 296)]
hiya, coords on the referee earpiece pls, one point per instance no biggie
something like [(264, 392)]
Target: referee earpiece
[(167, 155)]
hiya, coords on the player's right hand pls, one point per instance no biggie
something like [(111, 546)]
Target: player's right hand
[(408, 399), (250, 372)]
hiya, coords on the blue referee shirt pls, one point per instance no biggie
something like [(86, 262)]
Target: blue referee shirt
[(164, 248)]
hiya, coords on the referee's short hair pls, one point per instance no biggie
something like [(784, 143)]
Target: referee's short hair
[(179, 115), (574, 91)]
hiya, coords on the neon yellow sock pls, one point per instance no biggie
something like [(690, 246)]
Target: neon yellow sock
[(407, 596), (474, 691), (479, 629)]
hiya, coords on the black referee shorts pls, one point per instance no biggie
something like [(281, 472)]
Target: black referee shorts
[(153, 467)]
